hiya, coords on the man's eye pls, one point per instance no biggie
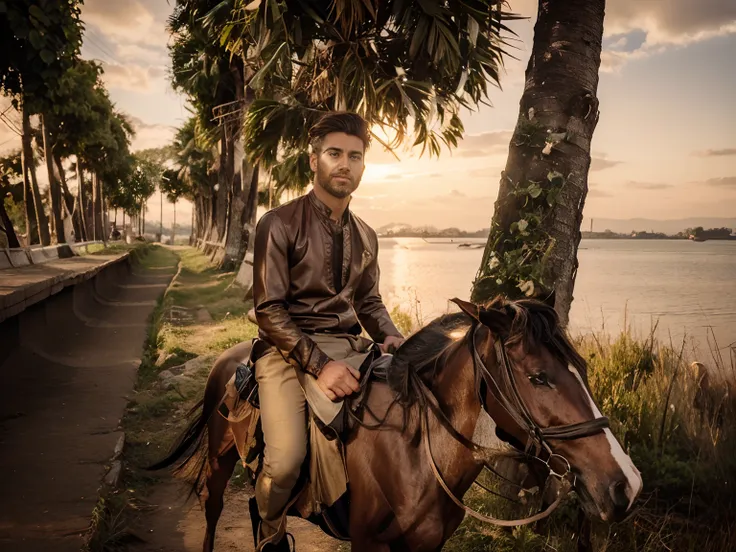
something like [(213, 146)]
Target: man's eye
[(540, 379), (356, 158)]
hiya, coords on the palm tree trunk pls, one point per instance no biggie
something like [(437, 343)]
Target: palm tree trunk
[(96, 209), (6, 227), (68, 199), (54, 187), (535, 232), (173, 226), (29, 161), (29, 204), (82, 203)]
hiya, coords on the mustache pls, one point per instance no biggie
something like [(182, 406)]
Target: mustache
[(342, 175)]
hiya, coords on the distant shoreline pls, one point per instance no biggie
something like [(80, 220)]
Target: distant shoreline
[(585, 236)]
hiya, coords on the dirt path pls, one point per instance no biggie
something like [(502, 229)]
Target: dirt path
[(174, 524), (201, 316), (67, 365)]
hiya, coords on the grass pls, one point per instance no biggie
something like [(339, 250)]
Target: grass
[(200, 315), (687, 456)]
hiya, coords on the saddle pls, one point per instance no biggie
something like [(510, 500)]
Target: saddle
[(321, 495)]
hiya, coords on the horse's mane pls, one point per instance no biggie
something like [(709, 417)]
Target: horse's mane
[(527, 321), (423, 349)]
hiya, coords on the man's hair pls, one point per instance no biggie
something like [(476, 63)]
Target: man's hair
[(339, 121)]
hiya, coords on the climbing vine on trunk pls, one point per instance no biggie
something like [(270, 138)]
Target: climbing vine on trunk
[(535, 232)]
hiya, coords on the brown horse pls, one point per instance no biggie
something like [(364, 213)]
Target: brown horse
[(512, 359)]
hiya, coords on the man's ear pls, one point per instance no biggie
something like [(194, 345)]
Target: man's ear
[(470, 309), (313, 160)]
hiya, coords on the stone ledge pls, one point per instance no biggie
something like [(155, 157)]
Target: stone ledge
[(25, 286)]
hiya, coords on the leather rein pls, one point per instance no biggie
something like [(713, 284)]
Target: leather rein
[(516, 408)]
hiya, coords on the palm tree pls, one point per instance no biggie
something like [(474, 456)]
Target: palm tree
[(212, 77), (407, 66), (535, 232)]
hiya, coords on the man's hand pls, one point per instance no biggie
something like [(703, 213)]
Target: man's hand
[(337, 379), (390, 344)]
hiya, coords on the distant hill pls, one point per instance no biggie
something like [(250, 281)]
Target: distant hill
[(673, 226), (622, 226)]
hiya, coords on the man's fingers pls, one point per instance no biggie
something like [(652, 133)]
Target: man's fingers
[(330, 395), (354, 372)]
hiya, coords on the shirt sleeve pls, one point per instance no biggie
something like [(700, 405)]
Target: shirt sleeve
[(271, 282)]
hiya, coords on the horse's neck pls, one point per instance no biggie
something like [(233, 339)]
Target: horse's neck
[(455, 388)]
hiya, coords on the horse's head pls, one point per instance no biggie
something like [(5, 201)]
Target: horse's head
[(535, 386)]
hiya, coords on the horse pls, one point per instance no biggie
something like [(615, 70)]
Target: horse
[(411, 457)]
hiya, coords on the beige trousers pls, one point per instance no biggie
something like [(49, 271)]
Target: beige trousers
[(284, 392)]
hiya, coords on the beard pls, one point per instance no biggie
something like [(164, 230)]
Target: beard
[(336, 188)]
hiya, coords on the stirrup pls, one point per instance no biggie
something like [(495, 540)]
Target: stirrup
[(284, 545)]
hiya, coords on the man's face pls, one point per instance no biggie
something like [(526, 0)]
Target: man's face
[(339, 164)]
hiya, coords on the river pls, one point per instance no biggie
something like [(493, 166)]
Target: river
[(688, 287)]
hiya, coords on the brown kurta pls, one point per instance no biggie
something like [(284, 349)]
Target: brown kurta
[(313, 275)]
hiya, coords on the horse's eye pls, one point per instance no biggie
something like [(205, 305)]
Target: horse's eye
[(540, 379)]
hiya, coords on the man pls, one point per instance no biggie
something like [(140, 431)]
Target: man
[(315, 288)]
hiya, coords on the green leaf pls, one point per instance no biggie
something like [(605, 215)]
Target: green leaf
[(473, 29), (47, 56), (34, 37), (257, 81), (420, 36), (535, 190), (555, 178), (38, 14)]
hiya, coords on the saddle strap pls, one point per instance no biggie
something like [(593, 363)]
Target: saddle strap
[(564, 490)]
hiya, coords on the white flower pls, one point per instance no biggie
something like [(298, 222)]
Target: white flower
[(494, 263), (527, 288)]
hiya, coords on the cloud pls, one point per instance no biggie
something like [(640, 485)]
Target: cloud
[(636, 29), (602, 162), (722, 182), (599, 193), (648, 185), (715, 152), (612, 61), (132, 21), (486, 172), (671, 21), (149, 135), (484, 144), (131, 77), (595, 191)]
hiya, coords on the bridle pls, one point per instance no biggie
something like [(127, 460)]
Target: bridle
[(518, 411)]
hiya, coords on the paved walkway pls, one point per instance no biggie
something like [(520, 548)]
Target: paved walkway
[(67, 366)]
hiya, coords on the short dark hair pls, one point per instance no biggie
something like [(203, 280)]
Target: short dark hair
[(339, 121)]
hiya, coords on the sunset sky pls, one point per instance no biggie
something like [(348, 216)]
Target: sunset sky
[(665, 146)]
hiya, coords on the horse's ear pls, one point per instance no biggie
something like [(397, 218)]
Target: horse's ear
[(470, 309), (549, 299)]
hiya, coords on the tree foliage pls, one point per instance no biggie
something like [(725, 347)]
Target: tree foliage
[(406, 66), (40, 40)]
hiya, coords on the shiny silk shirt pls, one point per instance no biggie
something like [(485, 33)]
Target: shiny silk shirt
[(314, 275)]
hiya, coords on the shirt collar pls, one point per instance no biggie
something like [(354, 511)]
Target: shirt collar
[(324, 210)]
